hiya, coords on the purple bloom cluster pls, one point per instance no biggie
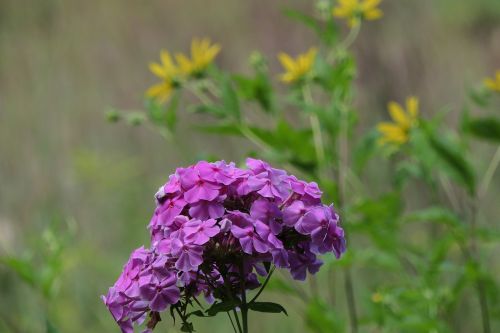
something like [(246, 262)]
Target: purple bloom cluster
[(217, 226)]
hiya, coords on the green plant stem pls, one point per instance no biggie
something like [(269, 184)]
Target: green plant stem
[(346, 43), (244, 304), (341, 177), (315, 127), (253, 138), (232, 323), (490, 171), (268, 277)]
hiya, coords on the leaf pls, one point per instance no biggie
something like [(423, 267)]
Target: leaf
[(224, 306), (257, 89), (23, 268), (230, 101), (197, 313), (221, 129), (268, 307), (487, 128), (364, 150), (306, 20), (454, 159), (187, 327)]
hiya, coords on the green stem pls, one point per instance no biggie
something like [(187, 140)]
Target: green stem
[(315, 127), (341, 177), (263, 285), (490, 171), (244, 304)]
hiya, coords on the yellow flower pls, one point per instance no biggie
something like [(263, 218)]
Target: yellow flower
[(355, 10), (202, 54), (167, 72), (493, 83), (296, 69), (377, 297), (397, 132)]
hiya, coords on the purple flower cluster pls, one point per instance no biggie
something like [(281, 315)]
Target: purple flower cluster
[(217, 226)]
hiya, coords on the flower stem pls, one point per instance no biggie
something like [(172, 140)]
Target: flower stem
[(315, 127), (244, 304), (263, 285)]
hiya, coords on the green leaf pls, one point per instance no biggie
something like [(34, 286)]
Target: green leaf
[(454, 159), (257, 89), (23, 268), (230, 101), (197, 313), (306, 20), (268, 307), (364, 150), (487, 128), (224, 306), (221, 129), (187, 327)]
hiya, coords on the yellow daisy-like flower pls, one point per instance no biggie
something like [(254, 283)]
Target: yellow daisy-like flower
[(296, 69), (397, 132), (493, 83), (203, 52), (356, 10), (167, 72)]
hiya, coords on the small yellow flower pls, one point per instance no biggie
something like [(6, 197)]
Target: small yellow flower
[(167, 72), (493, 83), (356, 10), (377, 297), (296, 69), (397, 132), (203, 52)]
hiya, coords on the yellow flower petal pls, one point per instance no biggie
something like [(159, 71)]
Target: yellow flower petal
[(157, 70), (373, 14), (287, 62), (369, 4), (412, 107), (398, 115), (166, 59)]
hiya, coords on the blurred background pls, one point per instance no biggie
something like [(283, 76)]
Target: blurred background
[(83, 190)]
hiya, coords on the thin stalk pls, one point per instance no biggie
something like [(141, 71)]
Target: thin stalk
[(263, 285), (316, 128), (341, 177), (232, 323), (244, 304), (490, 171)]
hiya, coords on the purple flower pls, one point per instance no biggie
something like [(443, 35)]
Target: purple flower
[(248, 237), (160, 293), (217, 225), (267, 212), (205, 210), (199, 232), (189, 255), (168, 210), (198, 188), (300, 263), (293, 213)]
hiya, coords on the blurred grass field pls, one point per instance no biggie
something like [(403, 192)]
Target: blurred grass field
[(64, 63)]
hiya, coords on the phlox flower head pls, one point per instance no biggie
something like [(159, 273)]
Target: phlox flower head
[(216, 225)]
